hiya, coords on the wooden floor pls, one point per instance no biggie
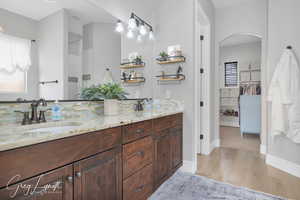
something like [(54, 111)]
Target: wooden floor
[(243, 165)]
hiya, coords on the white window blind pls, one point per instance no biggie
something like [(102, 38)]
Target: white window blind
[(15, 60), (231, 74)]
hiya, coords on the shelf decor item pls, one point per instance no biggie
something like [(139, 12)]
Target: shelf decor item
[(134, 61), (111, 93)]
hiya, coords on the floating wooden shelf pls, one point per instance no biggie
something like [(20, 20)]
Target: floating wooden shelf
[(171, 77), (172, 60), (134, 80), (131, 66)]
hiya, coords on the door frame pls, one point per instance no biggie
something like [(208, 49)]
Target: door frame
[(202, 91)]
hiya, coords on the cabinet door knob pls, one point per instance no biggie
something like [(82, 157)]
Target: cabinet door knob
[(140, 131), (70, 179), (78, 174)]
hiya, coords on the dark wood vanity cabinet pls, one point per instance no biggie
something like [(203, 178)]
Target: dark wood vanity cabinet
[(127, 162), (59, 183), (99, 177), (168, 147)]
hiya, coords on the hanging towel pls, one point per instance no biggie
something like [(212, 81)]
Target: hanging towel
[(284, 93)]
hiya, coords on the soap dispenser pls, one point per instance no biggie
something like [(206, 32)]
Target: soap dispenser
[(56, 111)]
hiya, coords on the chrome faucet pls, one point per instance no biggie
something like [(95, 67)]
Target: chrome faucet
[(35, 117)]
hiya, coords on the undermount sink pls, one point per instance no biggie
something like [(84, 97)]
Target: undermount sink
[(54, 128)]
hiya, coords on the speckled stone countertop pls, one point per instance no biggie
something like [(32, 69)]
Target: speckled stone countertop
[(15, 135)]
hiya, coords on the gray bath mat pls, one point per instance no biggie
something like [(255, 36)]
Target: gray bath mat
[(185, 186)]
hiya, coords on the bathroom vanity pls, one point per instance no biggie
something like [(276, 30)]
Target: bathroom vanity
[(126, 161)]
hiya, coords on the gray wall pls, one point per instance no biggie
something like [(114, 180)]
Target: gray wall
[(284, 30)]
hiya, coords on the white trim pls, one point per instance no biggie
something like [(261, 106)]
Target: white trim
[(263, 149), (189, 166), (215, 144), (284, 165)]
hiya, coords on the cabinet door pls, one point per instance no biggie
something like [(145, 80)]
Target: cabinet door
[(54, 185), (99, 177), (176, 147), (162, 157)]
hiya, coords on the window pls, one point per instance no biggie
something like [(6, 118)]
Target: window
[(14, 63), (231, 74)]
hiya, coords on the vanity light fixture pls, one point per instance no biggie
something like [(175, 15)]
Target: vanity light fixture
[(151, 35), (136, 25), (130, 34), (119, 27), (143, 29), (132, 23)]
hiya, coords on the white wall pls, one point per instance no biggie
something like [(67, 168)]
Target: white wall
[(52, 33), (247, 18), (283, 30), (244, 54), (177, 27), (102, 49), (23, 27)]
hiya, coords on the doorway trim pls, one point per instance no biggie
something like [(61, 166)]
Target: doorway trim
[(202, 91), (264, 107)]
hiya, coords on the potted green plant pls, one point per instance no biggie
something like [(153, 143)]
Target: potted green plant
[(138, 60), (163, 56), (110, 92)]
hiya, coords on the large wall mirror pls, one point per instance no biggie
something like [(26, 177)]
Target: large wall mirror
[(54, 49)]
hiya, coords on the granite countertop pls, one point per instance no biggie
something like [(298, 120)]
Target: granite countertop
[(19, 136)]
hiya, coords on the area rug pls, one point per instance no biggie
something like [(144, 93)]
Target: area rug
[(185, 186)]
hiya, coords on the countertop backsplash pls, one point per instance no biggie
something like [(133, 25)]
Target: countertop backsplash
[(70, 110)]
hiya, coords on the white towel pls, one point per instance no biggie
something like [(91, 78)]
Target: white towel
[(284, 93)]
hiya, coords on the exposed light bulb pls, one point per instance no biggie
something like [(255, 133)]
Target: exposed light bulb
[(132, 23), (143, 29), (139, 39), (130, 34), (151, 35), (119, 27)]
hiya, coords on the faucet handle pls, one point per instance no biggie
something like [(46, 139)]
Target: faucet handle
[(25, 119)]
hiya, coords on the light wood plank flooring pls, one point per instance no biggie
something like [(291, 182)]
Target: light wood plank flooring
[(243, 165)]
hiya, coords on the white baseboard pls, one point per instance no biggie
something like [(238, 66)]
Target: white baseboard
[(263, 149), (284, 165), (215, 144), (189, 166)]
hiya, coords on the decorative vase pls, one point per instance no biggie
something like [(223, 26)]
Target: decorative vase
[(111, 107)]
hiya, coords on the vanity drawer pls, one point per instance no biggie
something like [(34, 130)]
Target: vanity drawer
[(175, 120), (167, 122), (140, 185), (137, 155), (36, 159), (135, 131)]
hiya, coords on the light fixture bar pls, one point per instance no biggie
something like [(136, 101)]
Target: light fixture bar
[(141, 21)]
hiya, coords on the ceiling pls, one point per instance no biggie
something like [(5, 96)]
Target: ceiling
[(38, 9), (228, 3), (239, 39)]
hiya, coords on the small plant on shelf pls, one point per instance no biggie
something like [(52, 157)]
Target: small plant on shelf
[(138, 60), (163, 56)]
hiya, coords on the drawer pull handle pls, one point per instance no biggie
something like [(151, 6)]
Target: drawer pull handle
[(70, 179), (140, 131), (141, 153), (139, 189), (78, 174)]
